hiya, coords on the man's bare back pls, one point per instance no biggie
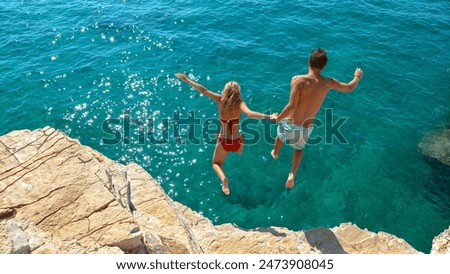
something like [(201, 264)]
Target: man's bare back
[(311, 94)]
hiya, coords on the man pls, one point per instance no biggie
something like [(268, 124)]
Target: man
[(307, 95)]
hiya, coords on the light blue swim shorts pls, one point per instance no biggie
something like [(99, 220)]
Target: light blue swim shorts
[(296, 136)]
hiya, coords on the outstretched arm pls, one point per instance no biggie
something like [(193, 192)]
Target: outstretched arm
[(254, 114), (216, 97), (347, 87), (295, 90)]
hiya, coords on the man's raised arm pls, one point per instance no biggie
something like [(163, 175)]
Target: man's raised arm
[(347, 87)]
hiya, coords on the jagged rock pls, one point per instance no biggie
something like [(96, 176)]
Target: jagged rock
[(347, 238), (79, 199), (355, 240), (441, 243), (436, 144), (108, 250), (57, 196), (19, 238), (5, 239), (229, 239), (325, 241)]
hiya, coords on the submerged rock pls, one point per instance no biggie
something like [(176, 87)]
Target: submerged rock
[(436, 145), (58, 196)]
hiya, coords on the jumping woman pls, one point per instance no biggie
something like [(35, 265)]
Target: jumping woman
[(229, 139)]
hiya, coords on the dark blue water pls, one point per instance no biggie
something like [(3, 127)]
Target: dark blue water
[(75, 64)]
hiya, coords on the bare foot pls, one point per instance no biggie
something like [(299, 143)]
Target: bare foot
[(274, 156), (290, 181), (225, 188)]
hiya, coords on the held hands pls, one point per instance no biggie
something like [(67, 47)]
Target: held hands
[(358, 73), (274, 116)]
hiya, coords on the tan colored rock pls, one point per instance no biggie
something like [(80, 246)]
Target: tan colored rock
[(57, 196), (156, 213), (355, 240), (441, 243), (108, 250), (5, 239), (344, 239), (325, 241), (55, 189), (47, 248)]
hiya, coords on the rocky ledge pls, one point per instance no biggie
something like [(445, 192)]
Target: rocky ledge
[(58, 196)]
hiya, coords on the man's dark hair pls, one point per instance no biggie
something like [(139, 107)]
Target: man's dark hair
[(318, 59)]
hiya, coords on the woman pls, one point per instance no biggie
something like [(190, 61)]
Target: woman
[(229, 139)]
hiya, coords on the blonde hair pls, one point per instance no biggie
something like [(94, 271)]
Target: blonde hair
[(231, 95)]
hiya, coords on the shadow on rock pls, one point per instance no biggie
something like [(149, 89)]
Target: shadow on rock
[(324, 240)]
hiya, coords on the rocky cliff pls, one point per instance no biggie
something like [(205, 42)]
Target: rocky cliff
[(441, 243), (58, 196)]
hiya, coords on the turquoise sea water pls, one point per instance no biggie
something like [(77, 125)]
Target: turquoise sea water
[(74, 64)]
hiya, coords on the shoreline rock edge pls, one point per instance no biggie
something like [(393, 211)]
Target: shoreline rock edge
[(58, 197)]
